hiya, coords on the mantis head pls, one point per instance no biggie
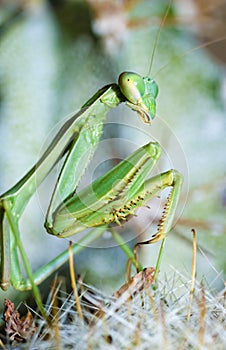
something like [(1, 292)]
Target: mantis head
[(141, 93)]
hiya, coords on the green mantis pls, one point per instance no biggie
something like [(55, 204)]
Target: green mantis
[(109, 200)]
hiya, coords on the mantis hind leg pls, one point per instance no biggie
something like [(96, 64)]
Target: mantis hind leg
[(174, 179), (12, 274)]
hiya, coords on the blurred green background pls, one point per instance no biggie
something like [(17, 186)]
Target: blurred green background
[(54, 55)]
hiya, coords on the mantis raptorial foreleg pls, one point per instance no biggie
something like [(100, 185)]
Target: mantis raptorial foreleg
[(108, 200), (171, 178)]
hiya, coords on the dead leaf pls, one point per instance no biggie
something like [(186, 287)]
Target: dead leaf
[(18, 328), (142, 280)]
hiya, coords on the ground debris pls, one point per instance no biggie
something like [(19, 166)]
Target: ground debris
[(17, 328), (139, 282)]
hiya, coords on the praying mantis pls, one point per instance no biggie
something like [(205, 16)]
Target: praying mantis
[(109, 200)]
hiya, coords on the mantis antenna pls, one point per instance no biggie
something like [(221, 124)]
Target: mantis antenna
[(163, 20), (178, 57)]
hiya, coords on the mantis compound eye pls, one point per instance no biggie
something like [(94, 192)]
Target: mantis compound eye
[(132, 86), (151, 86)]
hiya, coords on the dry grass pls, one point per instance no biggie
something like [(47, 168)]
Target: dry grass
[(158, 320)]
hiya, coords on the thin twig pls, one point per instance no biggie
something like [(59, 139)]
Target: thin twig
[(202, 313), (55, 313), (193, 272), (73, 282)]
